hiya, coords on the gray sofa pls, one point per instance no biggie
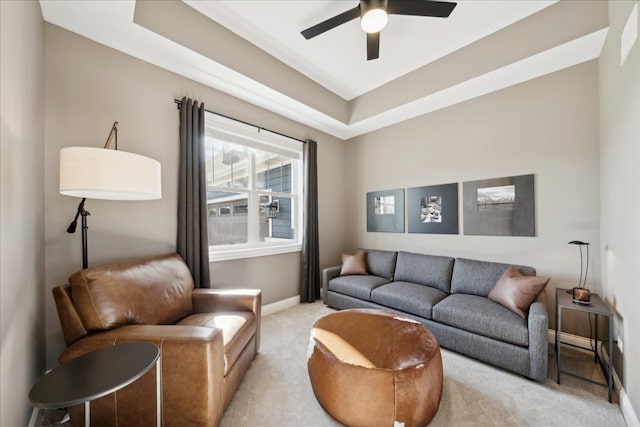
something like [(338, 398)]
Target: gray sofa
[(450, 297)]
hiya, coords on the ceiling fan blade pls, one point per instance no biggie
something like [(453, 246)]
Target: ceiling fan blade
[(373, 46), (331, 23), (438, 9)]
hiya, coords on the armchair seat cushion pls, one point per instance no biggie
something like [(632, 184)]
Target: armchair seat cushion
[(237, 330)]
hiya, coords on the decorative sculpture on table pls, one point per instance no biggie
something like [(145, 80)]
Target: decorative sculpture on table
[(582, 295)]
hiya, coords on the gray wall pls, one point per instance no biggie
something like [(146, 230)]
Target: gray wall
[(22, 340), (620, 194), (88, 86), (547, 127)]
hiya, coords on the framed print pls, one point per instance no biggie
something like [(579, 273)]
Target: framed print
[(433, 209), (499, 206), (385, 211)]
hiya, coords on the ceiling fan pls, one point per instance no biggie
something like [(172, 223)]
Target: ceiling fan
[(373, 18)]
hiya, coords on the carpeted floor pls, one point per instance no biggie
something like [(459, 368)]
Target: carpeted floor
[(276, 390)]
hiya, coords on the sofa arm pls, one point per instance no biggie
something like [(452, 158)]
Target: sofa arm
[(217, 300), (538, 323), (327, 275), (192, 376)]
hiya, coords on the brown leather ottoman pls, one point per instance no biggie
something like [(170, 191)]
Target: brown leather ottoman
[(375, 368)]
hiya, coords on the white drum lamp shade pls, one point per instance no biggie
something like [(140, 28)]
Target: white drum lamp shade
[(99, 173)]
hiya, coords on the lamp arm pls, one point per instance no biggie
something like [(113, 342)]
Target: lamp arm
[(586, 270), (580, 280), (113, 132), (72, 227)]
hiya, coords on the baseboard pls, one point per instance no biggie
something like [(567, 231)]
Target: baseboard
[(627, 410), (628, 413), (277, 306), (569, 339)]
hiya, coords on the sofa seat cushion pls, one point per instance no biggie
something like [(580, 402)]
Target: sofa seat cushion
[(482, 316), (429, 270), (357, 286), (408, 297), (237, 327)]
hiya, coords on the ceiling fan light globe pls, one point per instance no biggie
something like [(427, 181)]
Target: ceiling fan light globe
[(374, 20)]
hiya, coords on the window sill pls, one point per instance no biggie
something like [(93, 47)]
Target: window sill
[(216, 256)]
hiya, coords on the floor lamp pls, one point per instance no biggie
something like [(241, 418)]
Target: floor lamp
[(101, 173)]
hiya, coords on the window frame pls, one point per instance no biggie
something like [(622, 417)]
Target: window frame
[(254, 138)]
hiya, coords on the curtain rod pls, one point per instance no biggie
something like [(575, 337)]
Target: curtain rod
[(179, 104)]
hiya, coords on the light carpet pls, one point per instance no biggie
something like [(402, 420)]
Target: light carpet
[(276, 390)]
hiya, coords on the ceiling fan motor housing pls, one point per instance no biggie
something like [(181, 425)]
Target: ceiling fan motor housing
[(367, 5), (374, 15)]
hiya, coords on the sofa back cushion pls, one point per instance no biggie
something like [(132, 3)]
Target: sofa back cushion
[(148, 291), (430, 270), (381, 263), (478, 277)]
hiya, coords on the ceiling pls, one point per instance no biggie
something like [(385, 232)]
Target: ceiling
[(425, 63), (337, 58)]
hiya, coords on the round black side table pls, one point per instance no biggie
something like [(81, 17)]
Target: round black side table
[(96, 374)]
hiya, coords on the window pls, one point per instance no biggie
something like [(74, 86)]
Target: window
[(254, 190)]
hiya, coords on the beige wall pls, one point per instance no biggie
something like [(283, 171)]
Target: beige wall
[(22, 339), (620, 194), (547, 127), (88, 86)]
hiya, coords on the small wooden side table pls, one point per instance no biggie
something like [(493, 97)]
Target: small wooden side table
[(597, 307), (96, 374)]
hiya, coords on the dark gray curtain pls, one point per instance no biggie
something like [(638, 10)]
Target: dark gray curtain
[(192, 241), (310, 268)]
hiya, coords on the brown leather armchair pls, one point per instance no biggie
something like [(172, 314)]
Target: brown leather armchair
[(207, 338)]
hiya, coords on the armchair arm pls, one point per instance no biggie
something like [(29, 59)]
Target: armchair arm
[(217, 300), (327, 275), (192, 361), (212, 300), (156, 334), (72, 327)]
